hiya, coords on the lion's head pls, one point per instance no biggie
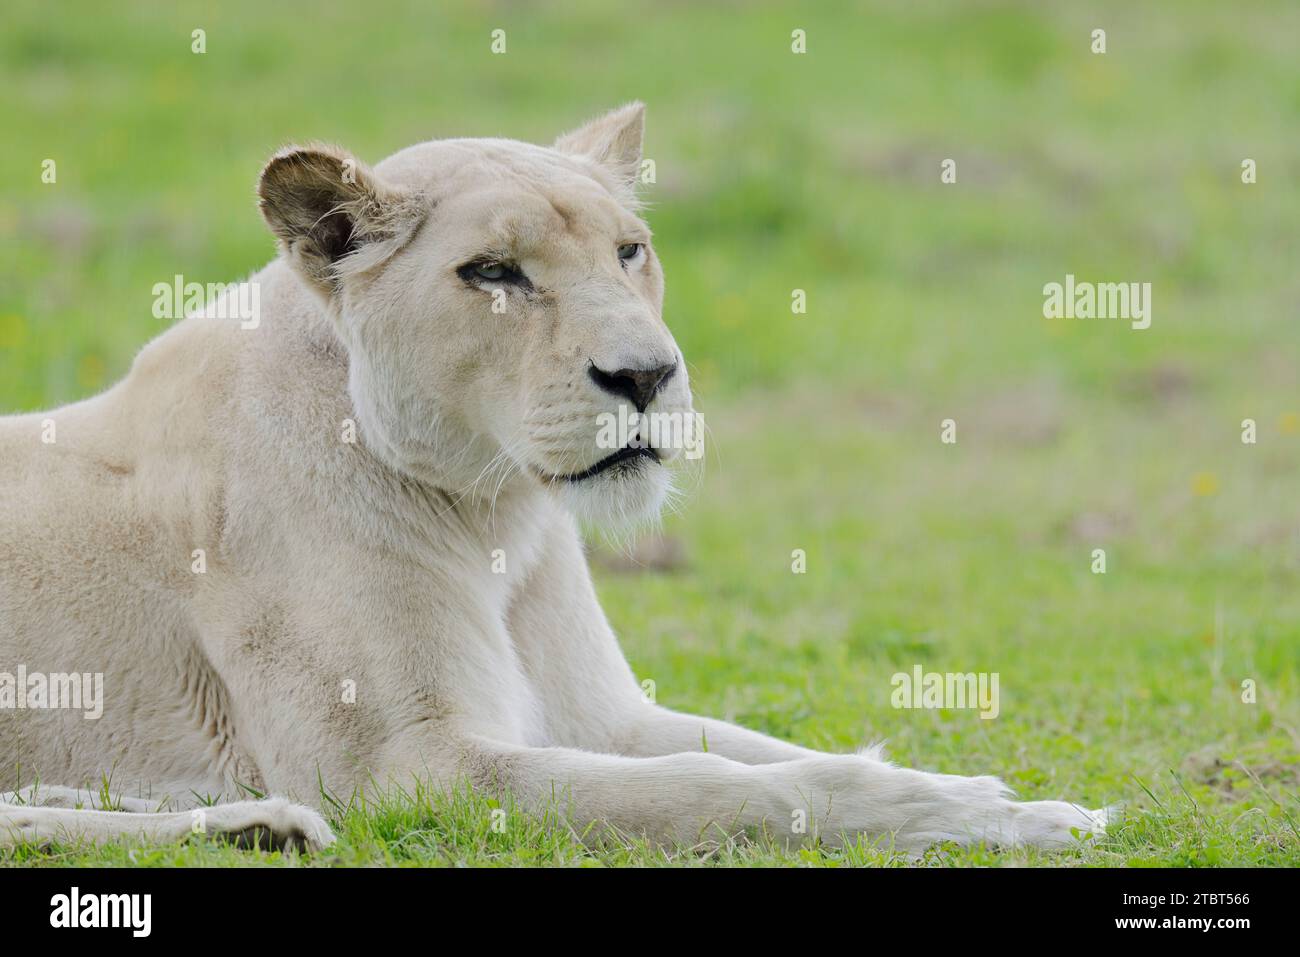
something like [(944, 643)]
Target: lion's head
[(500, 304)]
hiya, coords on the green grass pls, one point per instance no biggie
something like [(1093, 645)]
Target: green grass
[(817, 172)]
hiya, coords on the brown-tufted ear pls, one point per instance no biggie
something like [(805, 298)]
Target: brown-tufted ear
[(328, 210), (613, 141)]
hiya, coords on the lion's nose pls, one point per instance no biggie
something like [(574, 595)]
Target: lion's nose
[(636, 385)]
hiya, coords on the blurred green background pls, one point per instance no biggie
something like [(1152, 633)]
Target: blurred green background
[(820, 172)]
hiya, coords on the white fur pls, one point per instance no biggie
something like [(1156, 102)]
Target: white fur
[(372, 563)]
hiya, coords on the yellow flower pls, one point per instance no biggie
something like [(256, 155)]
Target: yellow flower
[(1205, 483), (12, 331)]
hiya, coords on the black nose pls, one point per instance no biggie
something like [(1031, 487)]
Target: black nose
[(636, 385)]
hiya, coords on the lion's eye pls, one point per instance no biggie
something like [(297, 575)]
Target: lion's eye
[(494, 271), (628, 251)]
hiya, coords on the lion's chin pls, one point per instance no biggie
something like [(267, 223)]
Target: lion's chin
[(618, 500)]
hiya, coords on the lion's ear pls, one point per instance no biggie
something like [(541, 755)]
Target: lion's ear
[(330, 211), (613, 141)]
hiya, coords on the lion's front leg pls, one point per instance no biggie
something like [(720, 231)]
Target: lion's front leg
[(593, 702), (922, 808), (686, 798), (650, 731)]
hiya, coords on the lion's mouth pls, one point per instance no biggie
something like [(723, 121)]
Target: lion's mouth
[(626, 454)]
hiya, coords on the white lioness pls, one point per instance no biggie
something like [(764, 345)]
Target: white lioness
[(339, 549)]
